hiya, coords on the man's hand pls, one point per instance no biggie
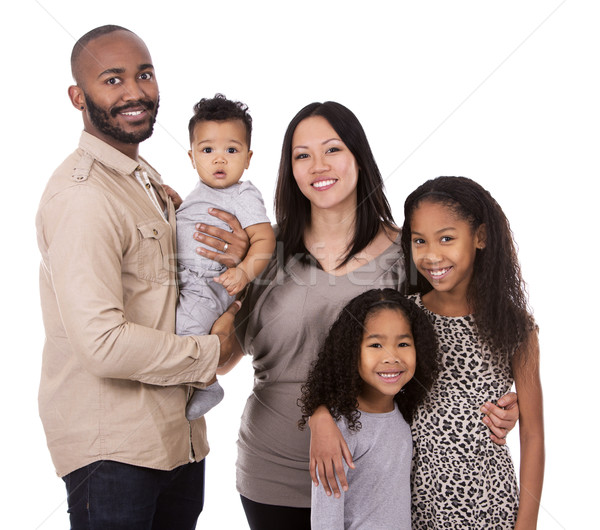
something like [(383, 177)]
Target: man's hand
[(232, 246), (224, 329)]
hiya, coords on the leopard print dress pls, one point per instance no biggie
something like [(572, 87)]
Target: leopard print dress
[(460, 478)]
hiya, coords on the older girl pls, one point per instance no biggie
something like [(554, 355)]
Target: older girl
[(469, 284)]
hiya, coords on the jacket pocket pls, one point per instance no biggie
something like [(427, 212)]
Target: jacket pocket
[(154, 256)]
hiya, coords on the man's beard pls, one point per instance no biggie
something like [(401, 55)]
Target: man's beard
[(101, 120)]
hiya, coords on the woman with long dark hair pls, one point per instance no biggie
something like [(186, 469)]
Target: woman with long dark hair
[(336, 238)]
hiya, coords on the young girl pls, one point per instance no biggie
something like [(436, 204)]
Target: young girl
[(375, 367), (470, 286)]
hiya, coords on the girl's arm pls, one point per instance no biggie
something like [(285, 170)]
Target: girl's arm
[(327, 449), (531, 430)]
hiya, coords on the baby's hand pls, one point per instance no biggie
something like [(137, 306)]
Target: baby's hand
[(177, 200), (234, 280)]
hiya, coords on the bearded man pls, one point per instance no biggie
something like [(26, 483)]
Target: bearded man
[(115, 378)]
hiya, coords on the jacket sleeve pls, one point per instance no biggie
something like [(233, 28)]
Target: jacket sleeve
[(83, 233)]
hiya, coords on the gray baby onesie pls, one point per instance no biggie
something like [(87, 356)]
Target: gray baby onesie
[(201, 299)]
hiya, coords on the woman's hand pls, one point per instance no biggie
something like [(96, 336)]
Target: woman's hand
[(501, 418), (327, 448), (232, 246)]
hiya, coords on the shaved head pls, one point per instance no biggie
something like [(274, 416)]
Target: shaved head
[(116, 89), (84, 41)]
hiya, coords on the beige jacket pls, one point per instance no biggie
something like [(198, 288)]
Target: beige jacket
[(113, 372)]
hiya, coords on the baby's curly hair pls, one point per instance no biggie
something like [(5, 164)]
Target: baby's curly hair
[(220, 108), (334, 380)]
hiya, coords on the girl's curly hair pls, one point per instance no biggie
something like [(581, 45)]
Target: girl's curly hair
[(334, 380), (497, 292)]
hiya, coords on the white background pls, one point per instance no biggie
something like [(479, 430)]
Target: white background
[(505, 92)]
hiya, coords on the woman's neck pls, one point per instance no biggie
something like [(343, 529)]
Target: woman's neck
[(332, 223), (329, 236)]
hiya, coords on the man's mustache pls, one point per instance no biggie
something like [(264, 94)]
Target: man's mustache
[(146, 103)]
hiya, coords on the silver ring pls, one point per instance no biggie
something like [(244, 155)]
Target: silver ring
[(225, 247)]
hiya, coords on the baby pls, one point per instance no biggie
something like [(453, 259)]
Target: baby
[(220, 132)]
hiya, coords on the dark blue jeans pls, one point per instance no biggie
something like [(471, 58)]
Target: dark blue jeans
[(108, 495)]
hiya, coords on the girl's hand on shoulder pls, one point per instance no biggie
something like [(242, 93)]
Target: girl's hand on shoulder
[(327, 449), (502, 417)]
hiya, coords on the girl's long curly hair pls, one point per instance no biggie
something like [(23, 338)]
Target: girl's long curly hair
[(496, 292), (334, 380)]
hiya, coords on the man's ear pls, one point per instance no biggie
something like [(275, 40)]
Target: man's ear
[(481, 237), (250, 153), (76, 96)]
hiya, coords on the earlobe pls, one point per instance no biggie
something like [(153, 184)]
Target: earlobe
[(76, 96), (481, 237), (250, 153), (191, 155)]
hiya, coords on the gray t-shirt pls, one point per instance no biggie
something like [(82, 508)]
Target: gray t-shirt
[(242, 200), (282, 324), (378, 497)]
